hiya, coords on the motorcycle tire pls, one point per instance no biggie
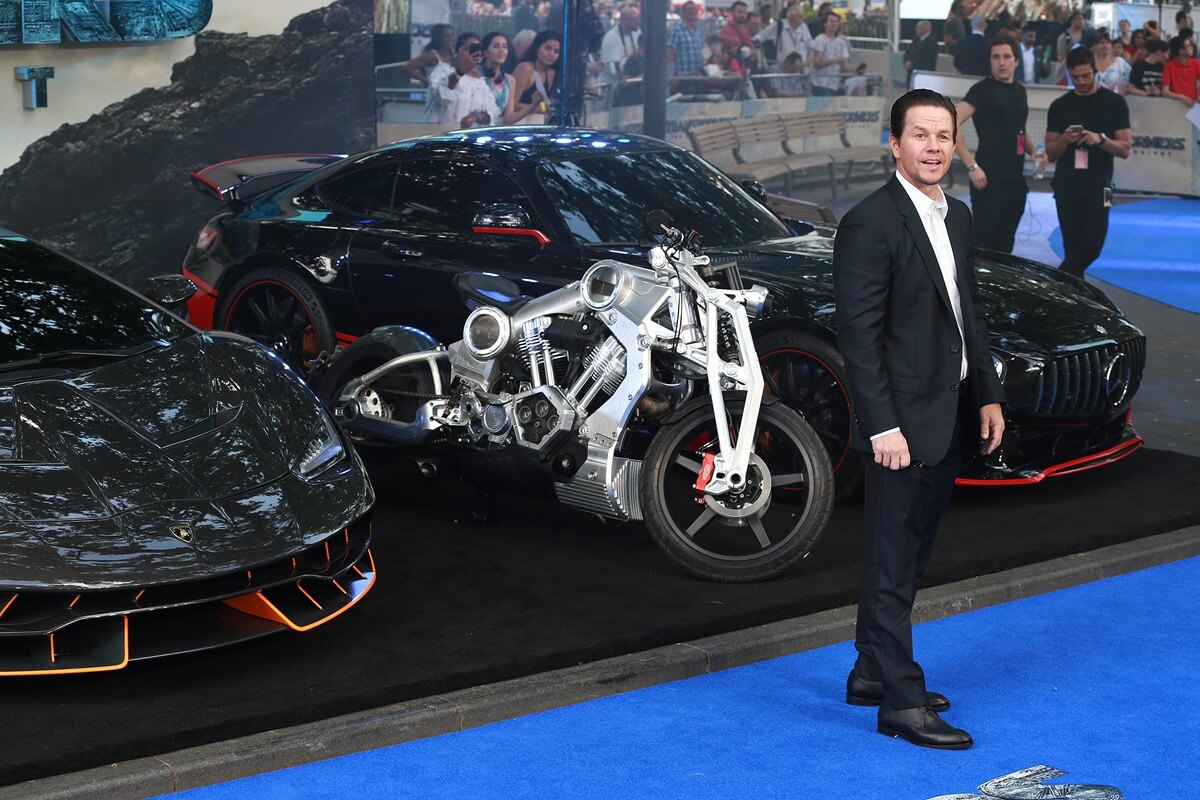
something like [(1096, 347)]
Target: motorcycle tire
[(755, 547), (809, 375), (395, 396)]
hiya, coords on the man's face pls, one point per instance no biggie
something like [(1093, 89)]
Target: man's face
[(923, 29), (1084, 78), (795, 16), (832, 23), (753, 24), (739, 13), (690, 13), (1077, 23), (1003, 62), (925, 146), (1029, 37), (629, 20)]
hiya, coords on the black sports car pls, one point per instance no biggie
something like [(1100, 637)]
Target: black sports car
[(162, 490), (309, 252)]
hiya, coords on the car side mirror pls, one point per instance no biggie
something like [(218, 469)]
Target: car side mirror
[(755, 190), (169, 290), (507, 219), (501, 215)]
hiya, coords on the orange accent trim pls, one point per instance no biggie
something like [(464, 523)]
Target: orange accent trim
[(311, 599), (204, 287), (200, 310), (346, 531), (542, 238), (359, 571), (1103, 458), (327, 557), (249, 576), (257, 605), (339, 587), (11, 600), (124, 662), (345, 338), (76, 600), (138, 596), (53, 655)]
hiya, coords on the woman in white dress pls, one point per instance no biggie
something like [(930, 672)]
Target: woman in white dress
[(1112, 71), (830, 57), (459, 95)]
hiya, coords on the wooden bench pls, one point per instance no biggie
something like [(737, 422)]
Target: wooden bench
[(779, 130), (805, 125), (736, 136)]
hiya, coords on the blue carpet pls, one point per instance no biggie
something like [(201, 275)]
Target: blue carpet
[(1152, 249), (1097, 681)]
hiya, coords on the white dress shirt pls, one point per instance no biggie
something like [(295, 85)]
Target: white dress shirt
[(933, 219)]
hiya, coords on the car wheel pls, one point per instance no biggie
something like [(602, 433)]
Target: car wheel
[(808, 375), (277, 308)]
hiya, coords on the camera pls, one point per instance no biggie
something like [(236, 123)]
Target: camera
[(475, 48)]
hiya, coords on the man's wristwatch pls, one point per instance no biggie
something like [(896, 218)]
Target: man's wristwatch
[(973, 167), (1103, 139)]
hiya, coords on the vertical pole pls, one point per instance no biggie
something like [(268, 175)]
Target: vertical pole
[(654, 86)]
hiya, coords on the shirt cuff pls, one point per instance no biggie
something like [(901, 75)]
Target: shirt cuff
[(885, 433)]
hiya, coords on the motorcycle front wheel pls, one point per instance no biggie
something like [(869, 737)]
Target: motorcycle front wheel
[(753, 536)]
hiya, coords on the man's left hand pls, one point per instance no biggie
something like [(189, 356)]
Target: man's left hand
[(991, 427)]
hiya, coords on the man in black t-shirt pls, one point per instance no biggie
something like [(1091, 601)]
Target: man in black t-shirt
[(1085, 130), (999, 106), (1146, 76)]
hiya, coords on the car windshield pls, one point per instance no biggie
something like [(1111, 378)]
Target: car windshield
[(606, 198), (49, 304)]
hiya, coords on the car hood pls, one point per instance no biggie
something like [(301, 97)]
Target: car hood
[(1032, 309), (96, 467)]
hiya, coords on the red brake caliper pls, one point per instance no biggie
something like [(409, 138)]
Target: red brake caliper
[(707, 467)]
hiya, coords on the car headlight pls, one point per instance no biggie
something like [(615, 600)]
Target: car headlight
[(324, 449), (1000, 367)]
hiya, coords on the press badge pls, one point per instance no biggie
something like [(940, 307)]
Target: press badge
[(1020, 145), (1081, 154)]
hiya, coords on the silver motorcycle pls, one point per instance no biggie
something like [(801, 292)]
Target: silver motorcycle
[(634, 393)]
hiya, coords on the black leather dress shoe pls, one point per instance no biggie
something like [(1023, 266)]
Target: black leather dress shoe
[(862, 692), (922, 726)]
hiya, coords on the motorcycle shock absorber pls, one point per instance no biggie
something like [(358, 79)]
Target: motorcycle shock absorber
[(727, 344)]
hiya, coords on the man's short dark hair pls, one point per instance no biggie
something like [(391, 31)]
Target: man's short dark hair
[(1179, 16), (1005, 38), (921, 97), (1080, 56), (1177, 45), (1156, 46), (737, 3), (1075, 14), (792, 58)]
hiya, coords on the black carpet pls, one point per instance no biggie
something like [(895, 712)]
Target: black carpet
[(458, 605)]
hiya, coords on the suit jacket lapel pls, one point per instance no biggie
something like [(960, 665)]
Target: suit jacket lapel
[(916, 229)]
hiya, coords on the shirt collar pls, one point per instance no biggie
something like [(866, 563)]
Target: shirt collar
[(922, 201)]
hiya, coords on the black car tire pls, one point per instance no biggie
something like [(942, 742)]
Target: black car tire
[(809, 375), (279, 309), (794, 517)]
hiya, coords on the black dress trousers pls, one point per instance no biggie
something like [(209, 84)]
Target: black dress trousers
[(1083, 219), (903, 509)]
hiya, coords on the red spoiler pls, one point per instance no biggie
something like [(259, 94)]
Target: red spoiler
[(242, 178)]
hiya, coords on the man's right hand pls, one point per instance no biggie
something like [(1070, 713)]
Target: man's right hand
[(891, 451)]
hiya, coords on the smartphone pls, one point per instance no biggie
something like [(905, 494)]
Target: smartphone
[(1074, 129), (475, 48)]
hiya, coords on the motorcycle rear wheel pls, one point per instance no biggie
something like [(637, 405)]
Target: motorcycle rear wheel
[(730, 549)]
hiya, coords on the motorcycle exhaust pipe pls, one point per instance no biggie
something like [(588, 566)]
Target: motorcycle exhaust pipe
[(352, 419)]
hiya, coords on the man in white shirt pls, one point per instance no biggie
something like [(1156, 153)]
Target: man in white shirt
[(619, 44), (794, 36)]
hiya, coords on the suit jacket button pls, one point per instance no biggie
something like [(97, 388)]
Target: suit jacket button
[(954, 387), (955, 348)]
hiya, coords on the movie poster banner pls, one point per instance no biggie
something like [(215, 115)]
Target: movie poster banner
[(1166, 155)]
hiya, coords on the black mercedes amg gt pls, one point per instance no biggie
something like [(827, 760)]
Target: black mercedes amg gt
[(162, 490), (310, 252)]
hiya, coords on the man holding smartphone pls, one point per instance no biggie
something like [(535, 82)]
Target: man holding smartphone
[(1085, 130)]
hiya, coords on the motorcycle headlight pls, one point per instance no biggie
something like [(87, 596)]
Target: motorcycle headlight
[(486, 332), (602, 285), (1000, 367), (324, 449)]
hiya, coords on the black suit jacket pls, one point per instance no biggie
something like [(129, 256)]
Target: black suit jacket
[(971, 57), (923, 54), (896, 328)]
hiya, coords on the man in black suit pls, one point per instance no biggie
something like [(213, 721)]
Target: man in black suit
[(925, 396), (923, 52), (971, 57)]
